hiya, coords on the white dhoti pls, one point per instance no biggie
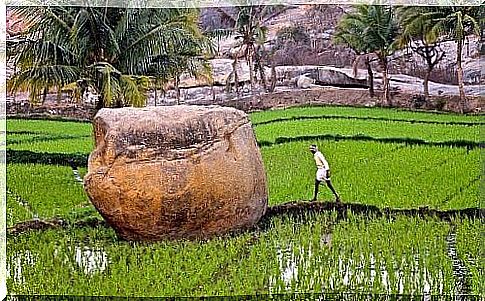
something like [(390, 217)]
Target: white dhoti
[(322, 175)]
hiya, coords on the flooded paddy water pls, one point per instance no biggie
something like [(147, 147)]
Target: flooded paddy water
[(412, 227), (327, 255)]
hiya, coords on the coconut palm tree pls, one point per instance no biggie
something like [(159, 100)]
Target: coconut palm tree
[(418, 35), (116, 51), (248, 24), (376, 31), (348, 34), (455, 23)]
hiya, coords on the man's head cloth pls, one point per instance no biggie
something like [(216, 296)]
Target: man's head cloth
[(313, 147)]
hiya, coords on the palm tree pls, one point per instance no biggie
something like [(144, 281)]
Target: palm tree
[(454, 22), (116, 51), (419, 36), (348, 34), (376, 31), (248, 24)]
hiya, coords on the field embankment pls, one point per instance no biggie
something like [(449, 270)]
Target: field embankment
[(410, 221)]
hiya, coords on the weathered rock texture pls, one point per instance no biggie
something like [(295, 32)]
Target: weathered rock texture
[(176, 172)]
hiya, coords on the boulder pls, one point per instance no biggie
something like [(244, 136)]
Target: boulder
[(304, 82), (321, 75), (176, 172)]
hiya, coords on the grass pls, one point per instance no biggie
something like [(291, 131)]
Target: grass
[(44, 191), (377, 174), (265, 116), (381, 129), (290, 257), (360, 254), (469, 243)]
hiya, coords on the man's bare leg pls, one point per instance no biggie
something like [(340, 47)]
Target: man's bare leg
[(317, 183), (329, 184)]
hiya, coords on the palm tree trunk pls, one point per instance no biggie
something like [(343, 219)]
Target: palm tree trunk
[(385, 82), (213, 92), (177, 89), (251, 71), (59, 95), (44, 95), (273, 75), (370, 76), (459, 70), (156, 94), (218, 46), (236, 77), (426, 82), (261, 72), (228, 82)]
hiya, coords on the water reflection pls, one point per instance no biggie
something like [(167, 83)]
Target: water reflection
[(20, 261), (91, 260), (299, 270)]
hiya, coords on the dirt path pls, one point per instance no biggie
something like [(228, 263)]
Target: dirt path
[(297, 209)]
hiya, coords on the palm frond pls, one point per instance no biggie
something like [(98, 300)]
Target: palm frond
[(133, 89)]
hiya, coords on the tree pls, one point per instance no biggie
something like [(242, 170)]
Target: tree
[(248, 24), (348, 34), (116, 51), (376, 31), (419, 36), (455, 23)]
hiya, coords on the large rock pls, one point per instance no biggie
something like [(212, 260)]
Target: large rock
[(304, 82), (321, 75), (176, 172)]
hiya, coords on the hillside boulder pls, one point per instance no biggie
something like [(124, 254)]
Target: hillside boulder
[(176, 172)]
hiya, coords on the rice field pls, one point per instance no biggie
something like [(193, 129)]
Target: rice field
[(316, 254)]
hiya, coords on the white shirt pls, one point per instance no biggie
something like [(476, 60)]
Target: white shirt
[(320, 161)]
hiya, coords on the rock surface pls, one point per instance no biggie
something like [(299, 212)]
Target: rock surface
[(176, 172), (304, 82)]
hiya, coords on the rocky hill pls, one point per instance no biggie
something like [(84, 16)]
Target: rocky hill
[(319, 22), (316, 62)]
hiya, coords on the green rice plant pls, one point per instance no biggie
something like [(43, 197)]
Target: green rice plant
[(47, 127), (16, 211), (220, 266), (47, 190), (318, 254), (378, 174), (264, 116), (49, 136), (469, 244), (393, 244), (427, 132), (81, 145)]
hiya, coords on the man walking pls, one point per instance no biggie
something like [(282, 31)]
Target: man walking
[(323, 173)]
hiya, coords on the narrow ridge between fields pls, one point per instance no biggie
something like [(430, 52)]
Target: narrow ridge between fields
[(81, 160), (30, 157), (296, 209), (24, 132), (368, 118), (46, 138), (407, 141)]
